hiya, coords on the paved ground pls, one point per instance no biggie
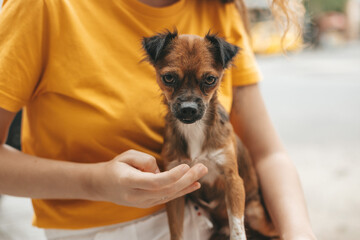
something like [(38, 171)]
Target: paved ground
[(314, 101)]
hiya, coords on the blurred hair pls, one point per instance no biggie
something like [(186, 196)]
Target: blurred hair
[(288, 14)]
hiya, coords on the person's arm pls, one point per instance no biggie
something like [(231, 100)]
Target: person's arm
[(131, 179), (278, 177)]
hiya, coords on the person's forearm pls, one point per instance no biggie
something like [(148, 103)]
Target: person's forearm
[(278, 177), (28, 176), (283, 196)]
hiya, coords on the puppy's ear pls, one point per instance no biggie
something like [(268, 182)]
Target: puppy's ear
[(223, 51), (155, 45)]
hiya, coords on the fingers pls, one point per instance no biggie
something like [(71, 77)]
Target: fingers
[(157, 181), (138, 173), (174, 180), (193, 187), (140, 160), (157, 200), (191, 176)]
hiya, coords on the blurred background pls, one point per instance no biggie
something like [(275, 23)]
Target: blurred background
[(313, 96)]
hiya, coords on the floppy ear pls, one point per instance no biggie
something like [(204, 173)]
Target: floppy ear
[(223, 51), (155, 45)]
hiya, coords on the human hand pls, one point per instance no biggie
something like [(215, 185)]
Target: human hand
[(133, 179)]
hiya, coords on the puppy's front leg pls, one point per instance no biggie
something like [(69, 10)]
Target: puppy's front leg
[(235, 202), (175, 212)]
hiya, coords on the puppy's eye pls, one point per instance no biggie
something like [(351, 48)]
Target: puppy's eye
[(168, 79), (210, 80)]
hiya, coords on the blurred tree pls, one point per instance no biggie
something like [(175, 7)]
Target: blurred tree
[(316, 7)]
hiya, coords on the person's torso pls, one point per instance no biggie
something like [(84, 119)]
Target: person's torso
[(97, 99)]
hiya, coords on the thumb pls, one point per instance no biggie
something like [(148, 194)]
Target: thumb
[(141, 161)]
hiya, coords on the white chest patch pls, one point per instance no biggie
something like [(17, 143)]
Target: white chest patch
[(194, 135), (211, 159)]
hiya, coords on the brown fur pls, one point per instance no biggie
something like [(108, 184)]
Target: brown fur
[(231, 182)]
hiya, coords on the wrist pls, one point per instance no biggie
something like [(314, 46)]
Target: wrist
[(91, 182)]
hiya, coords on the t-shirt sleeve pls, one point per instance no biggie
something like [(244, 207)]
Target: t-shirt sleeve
[(22, 51), (245, 70)]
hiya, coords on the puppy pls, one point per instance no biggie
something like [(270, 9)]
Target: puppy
[(189, 71)]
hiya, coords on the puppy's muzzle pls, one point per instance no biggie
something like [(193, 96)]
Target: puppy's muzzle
[(188, 112)]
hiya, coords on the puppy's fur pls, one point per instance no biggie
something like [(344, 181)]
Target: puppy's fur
[(189, 71)]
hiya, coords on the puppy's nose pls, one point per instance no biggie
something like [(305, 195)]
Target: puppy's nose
[(188, 110)]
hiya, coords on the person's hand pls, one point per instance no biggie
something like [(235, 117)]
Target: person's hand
[(133, 179)]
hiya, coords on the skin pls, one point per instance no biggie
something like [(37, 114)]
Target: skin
[(279, 180), (24, 175), (29, 176), (131, 179)]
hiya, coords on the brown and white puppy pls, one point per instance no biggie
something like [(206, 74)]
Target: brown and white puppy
[(189, 71)]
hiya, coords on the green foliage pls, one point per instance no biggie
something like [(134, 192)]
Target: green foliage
[(315, 7)]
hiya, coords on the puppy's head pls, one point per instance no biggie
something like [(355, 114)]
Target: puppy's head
[(189, 69)]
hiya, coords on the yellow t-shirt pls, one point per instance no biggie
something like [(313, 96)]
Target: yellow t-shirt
[(75, 68)]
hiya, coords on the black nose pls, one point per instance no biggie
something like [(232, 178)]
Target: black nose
[(188, 112)]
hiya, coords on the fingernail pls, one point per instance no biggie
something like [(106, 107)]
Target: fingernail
[(202, 169), (157, 171), (185, 167)]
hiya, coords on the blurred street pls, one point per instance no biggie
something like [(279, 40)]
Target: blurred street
[(314, 101)]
